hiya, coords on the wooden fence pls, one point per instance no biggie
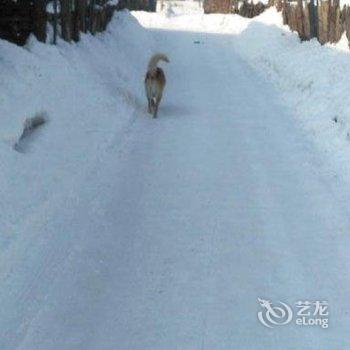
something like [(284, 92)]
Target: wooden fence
[(73, 17), (69, 18), (244, 8), (324, 20)]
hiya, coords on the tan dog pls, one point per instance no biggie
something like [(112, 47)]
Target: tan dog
[(155, 83)]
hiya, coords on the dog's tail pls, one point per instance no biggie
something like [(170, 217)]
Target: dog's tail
[(152, 64)]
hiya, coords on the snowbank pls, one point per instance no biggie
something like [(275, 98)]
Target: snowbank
[(310, 79), (91, 92)]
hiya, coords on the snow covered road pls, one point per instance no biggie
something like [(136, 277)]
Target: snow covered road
[(174, 235)]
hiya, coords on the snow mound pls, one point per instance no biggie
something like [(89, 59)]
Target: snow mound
[(91, 91), (310, 79)]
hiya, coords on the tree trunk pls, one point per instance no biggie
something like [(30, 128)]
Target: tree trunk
[(55, 21), (66, 20), (40, 20)]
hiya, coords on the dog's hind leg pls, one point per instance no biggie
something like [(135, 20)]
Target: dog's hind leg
[(154, 107), (149, 96), (149, 105), (155, 113)]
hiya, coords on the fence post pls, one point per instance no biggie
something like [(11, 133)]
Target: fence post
[(92, 17), (81, 8), (75, 21), (284, 12), (152, 5), (55, 21), (40, 20), (66, 20), (313, 18), (300, 20)]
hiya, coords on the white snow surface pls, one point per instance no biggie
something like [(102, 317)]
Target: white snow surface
[(124, 232)]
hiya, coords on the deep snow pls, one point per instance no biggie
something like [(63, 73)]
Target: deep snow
[(123, 232)]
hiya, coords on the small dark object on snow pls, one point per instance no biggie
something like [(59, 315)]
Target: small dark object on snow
[(196, 42), (29, 126), (335, 119)]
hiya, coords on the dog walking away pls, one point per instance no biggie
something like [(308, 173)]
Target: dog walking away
[(155, 83)]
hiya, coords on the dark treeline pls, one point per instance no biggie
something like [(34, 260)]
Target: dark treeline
[(21, 18)]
